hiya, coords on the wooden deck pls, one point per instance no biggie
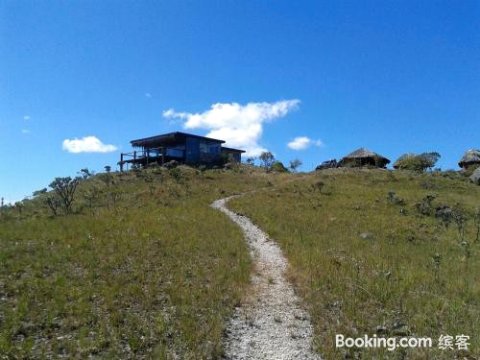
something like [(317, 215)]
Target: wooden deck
[(145, 158)]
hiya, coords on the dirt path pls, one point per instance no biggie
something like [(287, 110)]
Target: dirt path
[(270, 324)]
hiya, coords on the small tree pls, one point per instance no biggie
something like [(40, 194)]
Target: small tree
[(430, 159), (39, 192), (295, 164), (267, 160), (53, 203), (108, 168), (476, 220), (19, 205), (421, 162), (250, 161), (85, 173), (460, 219), (277, 166), (65, 188), (107, 179), (92, 195)]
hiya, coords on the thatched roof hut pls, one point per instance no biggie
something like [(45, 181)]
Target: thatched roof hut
[(471, 157), (363, 157)]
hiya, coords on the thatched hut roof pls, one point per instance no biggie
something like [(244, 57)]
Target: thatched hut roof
[(470, 157), (364, 156), (363, 153)]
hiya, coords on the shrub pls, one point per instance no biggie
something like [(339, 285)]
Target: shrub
[(460, 218), (444, 214), (393, 198), (107, 179), (476, 219), (19, 206), (53, 203), (421, 162), (85, 173), (278, 166), (175, 173), (318, 186), (92, 195), (39, 192), (425, 206)]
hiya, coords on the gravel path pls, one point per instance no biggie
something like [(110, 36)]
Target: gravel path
[(270, 324)]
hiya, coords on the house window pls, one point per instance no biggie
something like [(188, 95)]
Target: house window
[(209, 147), (203, 147)]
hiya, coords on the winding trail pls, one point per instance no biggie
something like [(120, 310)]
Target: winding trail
[(270, 324)]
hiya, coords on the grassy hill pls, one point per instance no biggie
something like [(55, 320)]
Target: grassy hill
[(371, 254), (145, 268), (142, 268)]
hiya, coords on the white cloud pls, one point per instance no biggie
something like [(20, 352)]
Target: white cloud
[(148, 95), (303, 142), (87, 144), (26, 117), (25, 131), (239, 125)]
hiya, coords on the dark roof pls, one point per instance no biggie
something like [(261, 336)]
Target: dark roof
[(168, 139), (227, 149), (472, 156), (364, 153)]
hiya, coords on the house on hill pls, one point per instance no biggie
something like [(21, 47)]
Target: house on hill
[(185, 148), (363, 157), (470, 158)]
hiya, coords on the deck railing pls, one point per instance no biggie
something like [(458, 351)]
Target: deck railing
[(150, 155)]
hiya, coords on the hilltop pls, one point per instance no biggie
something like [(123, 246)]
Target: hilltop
[(144, 267)]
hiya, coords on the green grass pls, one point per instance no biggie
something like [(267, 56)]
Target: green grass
[(393, 280), (144, 268), (147, 269)]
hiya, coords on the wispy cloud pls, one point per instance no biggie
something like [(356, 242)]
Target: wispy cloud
[(303, 142), (148, 95), (87, 144), (25, 131), (26, 117), (239, 125)]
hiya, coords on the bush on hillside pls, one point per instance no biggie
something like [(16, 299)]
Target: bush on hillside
[(421, 162), (278, 166), (86, 173), (39, 192)]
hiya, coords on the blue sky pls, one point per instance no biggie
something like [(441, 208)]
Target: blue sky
[(393, 76)]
